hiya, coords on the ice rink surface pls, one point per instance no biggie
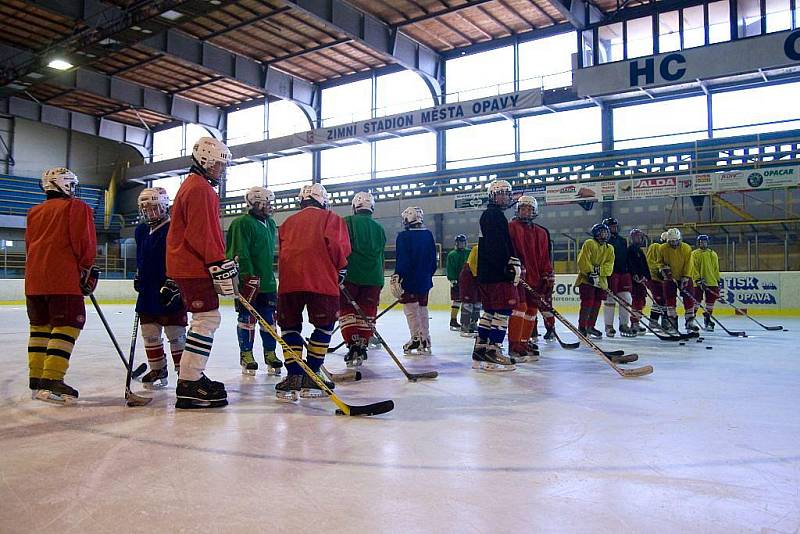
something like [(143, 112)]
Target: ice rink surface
[(710, 442)]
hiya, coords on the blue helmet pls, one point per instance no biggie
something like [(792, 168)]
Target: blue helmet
[(703, 238), (600, 232)]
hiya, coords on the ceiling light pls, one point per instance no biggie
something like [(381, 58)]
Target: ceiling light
[(35, 75), (60, 64), (171, 15)]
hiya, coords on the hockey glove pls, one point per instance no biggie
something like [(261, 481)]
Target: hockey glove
[(137, 285), (395, 285), (225, 275), (665, 271), (549, 282), (594, 279), (686, 283), (514, 270), (638, 279), (169, 294), (250, 285), (342, 276), (89, 278)]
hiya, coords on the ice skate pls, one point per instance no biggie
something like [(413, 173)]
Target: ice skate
[(322, 376), (273, 363), (354, 357), (203, 393), (35, 385), (155, 379), (550, 335), (56, 392), (638, 329), (672, 326), (248, 363), (708, 324), (519, 353), (425, 346), (309, 389), (691, 325), (288, 389), (665, 325), (495, 360), (627, 331), (531, 346), (594, 333), (413, 345), (454, 325), (610, 332)]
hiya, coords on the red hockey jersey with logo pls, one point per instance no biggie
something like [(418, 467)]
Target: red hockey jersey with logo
[(532, 245)]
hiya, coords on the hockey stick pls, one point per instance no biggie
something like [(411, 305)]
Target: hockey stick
[(627, 373), (735, 333), (410, 376), (643, 320), (564, 344), (337, 347), (740, 311), (343, 408), (132, 398), (681, 335)]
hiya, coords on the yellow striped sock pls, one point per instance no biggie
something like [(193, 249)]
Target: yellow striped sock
[(59, 349), (37, 349), (317, 349)]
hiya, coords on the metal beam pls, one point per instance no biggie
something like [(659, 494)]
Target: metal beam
[(434, 14), (579, 13)]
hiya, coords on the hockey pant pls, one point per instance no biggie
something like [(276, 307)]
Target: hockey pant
[(417, 319), (198, 344), (317, 347), (470, 315), (492, 326), (591, 297), (670, 289), (638, 297), (154, 346), (49, 350), (711, 293), (246, 325)]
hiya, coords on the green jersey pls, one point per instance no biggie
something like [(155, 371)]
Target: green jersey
[(368, 240), (455, 262), (253, 241)]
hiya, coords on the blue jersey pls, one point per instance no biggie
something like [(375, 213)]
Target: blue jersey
[(416, 259), (151, 267)]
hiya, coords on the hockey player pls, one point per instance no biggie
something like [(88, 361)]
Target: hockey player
[(251, 240), (413, 277), (159, 302), (196, 261), (455, 262), (314, 246), (364, 279), (640, 275), (595, 265), (499, 271), (705, 263), (619, 283), (60, 248), (532, 245), (678, 274), (656, 284), (468, 292)]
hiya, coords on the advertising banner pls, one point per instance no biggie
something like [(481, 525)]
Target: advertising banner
[(574, 192), (766, 178), (665, 186)]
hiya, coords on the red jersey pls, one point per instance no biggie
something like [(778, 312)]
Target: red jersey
[(314, 246), (59, 240), (195, 234), (532, 245)]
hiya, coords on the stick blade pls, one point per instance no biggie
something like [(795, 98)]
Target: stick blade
[(570, 346), (427, 374), (139, 371), (614, 352), (773, 328), (377, 408), (639, 371), (132, 399)]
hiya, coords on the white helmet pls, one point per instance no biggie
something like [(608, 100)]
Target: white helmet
[(213, 157), (363, 200), (153, 204), (259, 195), (674, 237), (496, 188), (527, 200), (314, 192), (412, 215), (60, 180), (664, 237)]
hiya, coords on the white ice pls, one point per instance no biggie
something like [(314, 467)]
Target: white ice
[(710, 442)]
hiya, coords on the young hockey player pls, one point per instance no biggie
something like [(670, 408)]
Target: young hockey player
[(595, 265), (470, 298), (656, 284), (678, 274), (705, 263), (532, 245), (364, 278), (499, 271), (455, 262), (413, 278), (619, 283), (640, 275), (159, 303), (314, 246), (251, 240), (196, 261), (60, 248)]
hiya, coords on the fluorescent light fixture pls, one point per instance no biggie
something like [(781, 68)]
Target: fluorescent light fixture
[(171, 15), (15, 86), (60, 64), (35, 75)]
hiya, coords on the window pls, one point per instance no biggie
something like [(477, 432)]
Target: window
[(779, 15), (669, 37), (168, 144), (746, 111), (640, 37), (245, 125), (171, 184), (719, 22), (347, 103), (661, 123), (576, 131), (286, 118), (749, 17), (193, 133), (611, 43), (694, 32), (483, 74), (242, 177), (547, 63), (401, 91), (482, 144), (405, 155), (587, 47), (289, 172), (351, 163)]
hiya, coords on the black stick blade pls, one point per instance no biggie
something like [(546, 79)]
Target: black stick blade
[(139, 371), (639, 371), (773, 328), (613, 352), (428, 374), (373, 409)]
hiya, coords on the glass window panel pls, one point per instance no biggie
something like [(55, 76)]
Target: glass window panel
[(740, 112), (246, 125), (660, 123), (405, 155), (193, 133), (577, 131), (483, 74), (168, 144), (286, 118), (611, 46), (547, 63), (171, 184), (346, 164), (669, 37), (242, 177), (587, 47), (749, 17), (640, 37), (482, 144), (694, 33), (779, 15), (719, 21), (289, 172), (401, 91), (347, 103)]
